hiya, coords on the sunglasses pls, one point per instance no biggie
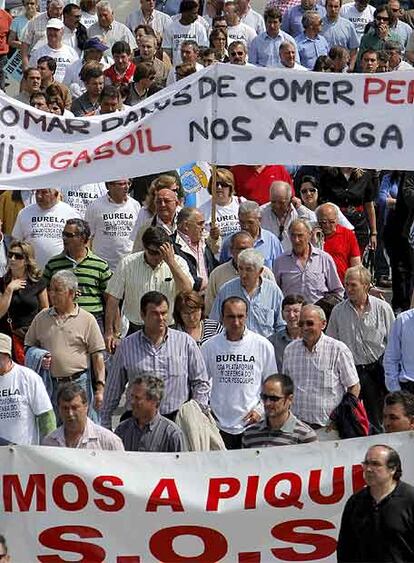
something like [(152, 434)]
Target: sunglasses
[(382, 19), (224, 184), (234, 53), (15, 255), (271, 398), (308, 191), (65, 234)]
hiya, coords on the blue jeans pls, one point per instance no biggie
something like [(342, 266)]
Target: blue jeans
[(84, 380)]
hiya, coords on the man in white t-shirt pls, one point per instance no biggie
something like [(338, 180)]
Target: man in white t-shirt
[(26, 413), (111, 219), (63, 54), (187, 27), (236, 30), (42, 224), (359, 13), (80, 197), (238, 361)]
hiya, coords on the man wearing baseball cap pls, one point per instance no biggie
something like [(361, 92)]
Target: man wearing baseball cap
[(26, 412), (63, 54)]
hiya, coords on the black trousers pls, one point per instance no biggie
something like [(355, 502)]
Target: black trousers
[(373, 391), (232, 441)]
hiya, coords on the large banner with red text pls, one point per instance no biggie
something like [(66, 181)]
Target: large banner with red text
[(224, 114), (249, 506)]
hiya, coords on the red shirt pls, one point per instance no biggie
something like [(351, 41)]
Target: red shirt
[(342, 245), (5, 22), (117, 78), (254, 185)]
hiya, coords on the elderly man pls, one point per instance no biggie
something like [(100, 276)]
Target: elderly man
[(147, 430), (339, 242), (291, 308), (263, 296), (378, 521), (311, 44), (73, 342), (322, 370), (363, 323), (156, 267), (229, 270), (281, 211), (339, 31), (264, 49), (237, 361), (148, 15), (264, 241), (292, 21), (399, 354), (395, 51), (398, 413), (55, 48), (305, 269), (77, 429), (42, 224), (288, 56), (280, 427), (108, 29), (172, 354)]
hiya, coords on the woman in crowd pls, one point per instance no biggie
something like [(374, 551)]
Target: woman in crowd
[(218, 42), (22, 295), (189, 317)]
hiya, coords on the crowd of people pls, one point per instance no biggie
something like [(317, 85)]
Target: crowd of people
[(131, 319)]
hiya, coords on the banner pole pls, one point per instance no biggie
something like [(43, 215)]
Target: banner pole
[(213, 194)]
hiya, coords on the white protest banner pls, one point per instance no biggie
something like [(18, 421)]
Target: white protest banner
[(224, 114), (275, 504)]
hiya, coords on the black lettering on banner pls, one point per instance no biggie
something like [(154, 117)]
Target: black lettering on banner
[(182, 98), (339, 90), (250, 84), (223, 83), (301, 132), (9, 116), (206, 87), (162, 105), (320, 92), (244, 135), (284, 89), (220, 129), (361, 138), (304, 89), (111, 123), (392, 134), (334, 134), (280, 129), (36, 119), (132, 117)]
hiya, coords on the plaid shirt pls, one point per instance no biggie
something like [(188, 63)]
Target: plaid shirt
[(321, 377)]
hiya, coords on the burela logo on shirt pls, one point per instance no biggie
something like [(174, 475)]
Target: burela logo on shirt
[(235, 368), (47, 227)]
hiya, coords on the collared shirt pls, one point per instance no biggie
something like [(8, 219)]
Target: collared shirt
[(370, 40), (314, 280), (178, 361), (159, 435), (280, 228), (399, 354), (266, 243), (264, 50), (83, 106), (292, 19), (70, 38), (321, 377), (280, 340), (92, 274), (117, 31), (340, 32), (309, 49), (134, 277), (366, 334), (94, 437), (342, 245), (157, 20), (254, 20), (293, 431), (197, 252), (264, 313)]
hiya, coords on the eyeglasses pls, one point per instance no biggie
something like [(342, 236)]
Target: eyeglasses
[(367, 463), (65, 234), (306, 323), (308, 191), (153, 251), (223, 184), (382, 19), (271, 398), (234, 53), (15, 255)]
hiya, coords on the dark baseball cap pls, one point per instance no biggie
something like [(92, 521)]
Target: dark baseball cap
[(95, 43)]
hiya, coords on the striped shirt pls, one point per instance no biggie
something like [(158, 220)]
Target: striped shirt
[(159, 435), (94, 437), (178, 361), (133, 278), (35, 31), (321, 377), (209, 328), (293, 431), (92, 274)]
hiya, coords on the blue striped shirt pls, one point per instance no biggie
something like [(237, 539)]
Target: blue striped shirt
[(265, 305), (178, 361)]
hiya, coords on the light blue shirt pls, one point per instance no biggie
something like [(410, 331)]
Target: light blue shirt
[(170, 7), (399, 353), (292, 19), (264, 50), (267, 243), (310, 49), (265, 305), (403, 30), (340, 32)]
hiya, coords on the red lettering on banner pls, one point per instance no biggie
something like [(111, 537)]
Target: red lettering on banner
[(51, 538), (59, 497), (104, 151), (392, 89), (324, 545), (215, 491), (116, 496), (251, 492), (249, 557), (154, 148), (358, 481), (338, 486), (83, 156), (286, 499), (36, 483), (20, 161), (373, 87), (215, 545), (173, 499), (59, 163)]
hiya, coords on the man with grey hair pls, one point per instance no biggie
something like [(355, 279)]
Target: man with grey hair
[(395, 51), (307, 270), (282, 210), (263, 296), (322, 370), (288, 55), (109, 29), (147, 430), (71, 340), (311, 44), (264, 241)]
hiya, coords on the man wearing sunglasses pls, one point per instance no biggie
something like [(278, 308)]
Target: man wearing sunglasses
[(280, 427)]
